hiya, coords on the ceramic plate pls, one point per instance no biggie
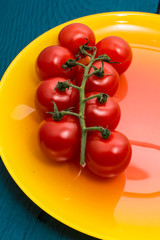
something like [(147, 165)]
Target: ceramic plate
[(126, 207)]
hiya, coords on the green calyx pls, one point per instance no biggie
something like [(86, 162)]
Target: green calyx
[(84, 48), (105, 133), (98, 72), (56, 115), (102, 98), (62, 86), (104, 58), (69, 64)]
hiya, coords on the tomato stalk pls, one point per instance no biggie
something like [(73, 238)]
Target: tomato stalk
[(101, 97), (72, 63), (82, 106), (58, 115), (104, 131), (82, 97), (105, 58), (63, 85), (97, 72)]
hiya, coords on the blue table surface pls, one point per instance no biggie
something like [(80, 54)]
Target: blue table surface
[(21, 21)]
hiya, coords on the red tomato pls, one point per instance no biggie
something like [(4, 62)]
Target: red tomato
[(50, 60), (118, 50), (106, 84), (45, 95), (60, 140), (106, 114), (107, 157), (74, 35)]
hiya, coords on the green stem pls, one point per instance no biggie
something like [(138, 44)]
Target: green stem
[(104, 131), (83, 146), (101, 58), (93, 73), (93, 96), (62, 86), (73, 86), (70, 113), (97, 59), (101, 98), (95, 128), (80, 64), (82, 108), (87, 53)]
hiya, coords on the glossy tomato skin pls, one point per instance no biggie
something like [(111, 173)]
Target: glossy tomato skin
[(60, 140), (106, 84), (106, 115), (74, 35), (118, 50), (50, 60), (108, 157), (46, 94)]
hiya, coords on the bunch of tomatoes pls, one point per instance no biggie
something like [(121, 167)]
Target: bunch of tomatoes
[(79, 78)]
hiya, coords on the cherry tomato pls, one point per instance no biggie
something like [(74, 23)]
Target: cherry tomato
[(107, 157), (50, 60), (74, 35), (106, 84), (118, 50), (60, 140), (46, 94), (106, 114)]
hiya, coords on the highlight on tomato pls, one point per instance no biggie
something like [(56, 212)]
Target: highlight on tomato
[(50, 60), (118, 50), (47, 93), (108, 157)]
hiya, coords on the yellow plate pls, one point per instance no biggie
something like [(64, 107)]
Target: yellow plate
[(127, 207)]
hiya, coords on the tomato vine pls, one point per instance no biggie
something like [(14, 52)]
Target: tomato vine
[(102, 97), (75, 97)]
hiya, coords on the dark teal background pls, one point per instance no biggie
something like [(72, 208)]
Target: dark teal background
[(21, 21)]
